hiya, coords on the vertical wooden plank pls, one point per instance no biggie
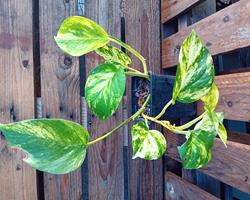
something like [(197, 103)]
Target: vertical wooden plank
[(105, 159), (142, 28), (18, 180), (60, 90)]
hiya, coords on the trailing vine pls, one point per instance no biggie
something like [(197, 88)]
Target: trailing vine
[(59, 146)]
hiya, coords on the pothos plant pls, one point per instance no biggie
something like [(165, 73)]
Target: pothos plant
[(59, 146)]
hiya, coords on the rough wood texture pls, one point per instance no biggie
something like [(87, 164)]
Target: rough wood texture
[(234, 96), (172, 8), (177, 188), (60, 89), (142, 27), (17, 179), (234, 19), (105, 159), (230, 165)]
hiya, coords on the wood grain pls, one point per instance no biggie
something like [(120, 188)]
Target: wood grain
[(142, 28), (234, 19), (230, 165), (172, 8), (105, 159), (234, 98), (60, 90), (177, 188), (17, 179)]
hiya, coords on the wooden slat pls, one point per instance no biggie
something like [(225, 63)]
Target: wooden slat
[(177, 188), (142, 25), (230, 165), (234, 96), (17, 179), (105, 159), (172, 8), (234, 19), (60, 91)]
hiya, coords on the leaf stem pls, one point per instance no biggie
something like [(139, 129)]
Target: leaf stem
[(163, 110), (191, 123), (139, 112), (133, 51), (129, 73)]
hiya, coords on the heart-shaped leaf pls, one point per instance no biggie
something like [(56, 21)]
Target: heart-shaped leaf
[(79, 35), (52, 145), (195, 71), (147, 144), (213, 122), (196, 151), (110, 53), (104, 89), (211, 98)]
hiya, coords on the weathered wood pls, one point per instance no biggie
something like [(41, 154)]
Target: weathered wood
[(230, 165), (177, 188), (234, 98), (172, 8), (234, 19), (105, 159), (17, 179), (142, 28), (60, 91)]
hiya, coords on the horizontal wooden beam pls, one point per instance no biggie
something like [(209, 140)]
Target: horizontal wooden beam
[(221, 32), (178, 188), (234, 96), (230, 165), (172, 8)]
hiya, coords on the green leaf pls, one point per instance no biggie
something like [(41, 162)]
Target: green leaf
[(211, 98), (104, 89), (147, 144), (195, 71), (114, 54), (52, 145), (213, 122), (196, 152), (79, 35)]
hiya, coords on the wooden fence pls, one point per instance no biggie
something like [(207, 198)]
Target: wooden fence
[(39, 80)]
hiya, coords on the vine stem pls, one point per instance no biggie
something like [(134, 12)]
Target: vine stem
[(163, 110), (133, 51), (166, 124), (139, 112)]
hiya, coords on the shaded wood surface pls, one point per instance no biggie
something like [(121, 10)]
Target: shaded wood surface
[(177, 188), (60, 90), (172, 8), (105, 159), (234, 19), (142, 30), (17, 179), (230, 165), (234, 98)]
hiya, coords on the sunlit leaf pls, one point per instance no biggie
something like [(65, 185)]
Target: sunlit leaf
[(213, 122), (196, 151), (110, 53), (211, 98), (147, 144), (52, 145), (104, 89), (195, 71), (79, 35)]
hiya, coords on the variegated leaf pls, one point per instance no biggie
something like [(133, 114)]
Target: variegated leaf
[(104, 89), (52, 145), (147, 144)]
